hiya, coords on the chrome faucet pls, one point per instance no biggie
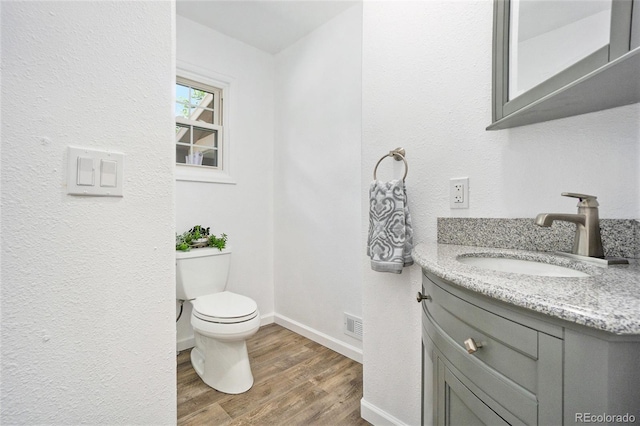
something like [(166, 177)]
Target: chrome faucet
[(587, 241)]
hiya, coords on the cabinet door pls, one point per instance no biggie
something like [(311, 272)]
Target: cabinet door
[(456, 405), (427, 381)]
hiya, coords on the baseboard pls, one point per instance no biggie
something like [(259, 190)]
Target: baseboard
[(267, 319), (376, 416), (184, 344), (321, 338)]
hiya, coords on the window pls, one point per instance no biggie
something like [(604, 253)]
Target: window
[(202, 119), (199, 124)]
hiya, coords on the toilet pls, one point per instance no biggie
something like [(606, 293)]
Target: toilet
[(221, 320)]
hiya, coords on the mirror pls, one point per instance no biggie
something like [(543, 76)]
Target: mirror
[(558, 58), (547, 37)]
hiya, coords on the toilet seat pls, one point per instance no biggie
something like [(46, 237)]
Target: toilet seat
[(225, 308)]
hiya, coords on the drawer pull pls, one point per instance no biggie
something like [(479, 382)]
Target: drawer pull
[(471, 345), (420, 297)]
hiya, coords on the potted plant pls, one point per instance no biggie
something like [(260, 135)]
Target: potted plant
[(197, 237)]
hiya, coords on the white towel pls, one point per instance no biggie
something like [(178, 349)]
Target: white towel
[(390, 233)]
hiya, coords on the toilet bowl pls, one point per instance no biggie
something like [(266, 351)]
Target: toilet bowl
[(221, 323), (221, 320)]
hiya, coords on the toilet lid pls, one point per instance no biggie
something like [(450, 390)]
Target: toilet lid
[(225, 307)]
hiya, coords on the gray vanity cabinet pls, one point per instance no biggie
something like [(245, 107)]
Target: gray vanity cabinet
[(492, 364)]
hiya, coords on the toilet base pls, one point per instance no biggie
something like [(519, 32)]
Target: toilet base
[(226, 365)]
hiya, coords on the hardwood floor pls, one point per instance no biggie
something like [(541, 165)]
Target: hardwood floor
[(296, 382)]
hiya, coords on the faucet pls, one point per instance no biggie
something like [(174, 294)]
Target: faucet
[(587, 241)]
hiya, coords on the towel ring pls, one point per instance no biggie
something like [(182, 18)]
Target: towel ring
[(398, 154)]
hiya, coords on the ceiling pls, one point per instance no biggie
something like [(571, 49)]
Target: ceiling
[(269, 25)]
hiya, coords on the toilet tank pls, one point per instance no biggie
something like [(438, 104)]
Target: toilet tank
[(201, 271)]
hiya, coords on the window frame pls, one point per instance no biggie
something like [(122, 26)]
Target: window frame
[(201, 78)]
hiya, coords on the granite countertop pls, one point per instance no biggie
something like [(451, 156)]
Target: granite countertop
[(608, 299)]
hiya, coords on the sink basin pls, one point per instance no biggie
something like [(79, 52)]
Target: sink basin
[(519, 266)]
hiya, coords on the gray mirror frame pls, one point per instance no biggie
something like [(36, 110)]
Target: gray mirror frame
[(606, 79)]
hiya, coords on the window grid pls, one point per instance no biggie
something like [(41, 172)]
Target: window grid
[(198, 124)]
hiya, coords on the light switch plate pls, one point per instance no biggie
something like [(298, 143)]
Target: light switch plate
[(105, 168)]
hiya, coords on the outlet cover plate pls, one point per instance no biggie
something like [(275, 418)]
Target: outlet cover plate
[(459, 193)]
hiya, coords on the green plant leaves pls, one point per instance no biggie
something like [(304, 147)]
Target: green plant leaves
[(220, 243), (184, 241)]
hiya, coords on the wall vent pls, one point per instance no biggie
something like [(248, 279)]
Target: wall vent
[(353, 326)]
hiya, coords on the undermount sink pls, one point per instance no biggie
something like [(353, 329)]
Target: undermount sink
[(520, 266)]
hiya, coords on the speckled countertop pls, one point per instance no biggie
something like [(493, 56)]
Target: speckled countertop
[(608, 299)]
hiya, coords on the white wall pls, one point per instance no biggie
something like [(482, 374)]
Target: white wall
[(426, 86), (317, 181), (88, 283), (244, 211)]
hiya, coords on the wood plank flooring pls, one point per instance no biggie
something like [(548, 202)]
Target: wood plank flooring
[(296, 382)]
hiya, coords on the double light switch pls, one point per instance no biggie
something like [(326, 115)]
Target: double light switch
[(94, 172)]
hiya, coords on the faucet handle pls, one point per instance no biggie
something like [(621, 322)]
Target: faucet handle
[(585, 200)]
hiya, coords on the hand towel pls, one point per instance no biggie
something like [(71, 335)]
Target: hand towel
[(390, 233)]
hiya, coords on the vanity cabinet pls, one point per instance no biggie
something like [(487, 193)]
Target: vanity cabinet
[(526, 369)]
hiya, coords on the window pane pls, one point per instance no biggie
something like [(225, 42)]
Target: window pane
[(203, 106), (183, 134), (181, 153), (210, 158), (205, 137), (202, 114), (182, 110), (201, 97), (182, 93), (182, 98)]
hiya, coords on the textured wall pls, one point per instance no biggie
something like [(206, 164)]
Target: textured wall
[(88, 283), (317, 177), (427, 87), (243, 211)]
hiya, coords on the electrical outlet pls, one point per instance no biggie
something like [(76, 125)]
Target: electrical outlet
[(459, 193)]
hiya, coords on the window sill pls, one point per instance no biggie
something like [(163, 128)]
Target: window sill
[(191, 173)]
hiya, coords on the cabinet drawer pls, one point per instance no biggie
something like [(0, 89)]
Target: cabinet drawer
[(509, 348)]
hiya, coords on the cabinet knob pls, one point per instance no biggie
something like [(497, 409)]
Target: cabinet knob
[(471, 345), (420, 297)]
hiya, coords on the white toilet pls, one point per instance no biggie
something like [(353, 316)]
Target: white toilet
[(221, 320)]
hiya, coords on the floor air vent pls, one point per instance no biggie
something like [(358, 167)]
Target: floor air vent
[(353, 326)]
